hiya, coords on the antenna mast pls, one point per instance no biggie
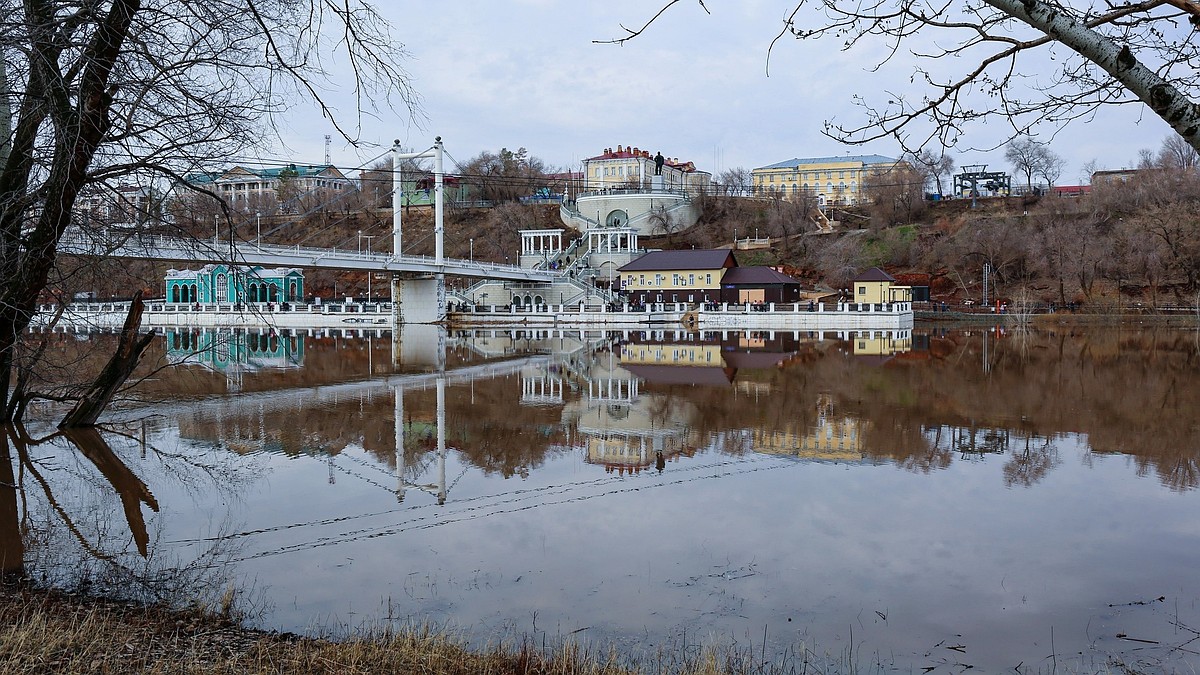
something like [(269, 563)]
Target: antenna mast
[(328, 161)]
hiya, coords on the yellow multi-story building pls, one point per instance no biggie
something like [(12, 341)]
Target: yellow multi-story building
[(676, 276), (832, 180)]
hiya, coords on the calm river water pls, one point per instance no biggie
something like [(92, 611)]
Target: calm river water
[(937, 499)]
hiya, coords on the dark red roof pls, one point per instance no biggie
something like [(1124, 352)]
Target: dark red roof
[(752, 360), (874, 274), (688, 259), (756, 275), (630, 153), (702, 375)]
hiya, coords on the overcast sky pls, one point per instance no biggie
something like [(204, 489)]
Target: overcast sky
[(526, 73)]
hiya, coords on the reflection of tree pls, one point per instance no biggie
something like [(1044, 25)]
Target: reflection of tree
[(1178, 467), (12, 547), (1029, 465), (99, 558)]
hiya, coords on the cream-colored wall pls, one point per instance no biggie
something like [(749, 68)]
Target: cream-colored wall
[(672, 280), (672, 355), (610, 173), (839, 439), (880, 292), (875, 292), (881, 346), (817, 176), (900, 294)]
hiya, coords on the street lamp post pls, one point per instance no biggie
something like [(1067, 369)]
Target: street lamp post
[(735, 238), (472, 256), (258, 227), (360, 241), (216, 229)]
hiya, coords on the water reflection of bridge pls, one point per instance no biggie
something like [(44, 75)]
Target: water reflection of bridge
[(613, 389)]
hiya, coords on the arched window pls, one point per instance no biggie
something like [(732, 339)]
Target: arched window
[(222, 293), (175, 294), (273, 293)]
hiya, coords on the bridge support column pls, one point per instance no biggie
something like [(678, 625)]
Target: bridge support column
[(400, 466), (418, 300)]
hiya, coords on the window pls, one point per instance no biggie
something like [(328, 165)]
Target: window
[(708, 279), (772, 178), (862, 290), (841, 175), (691, 280), (828, 175)]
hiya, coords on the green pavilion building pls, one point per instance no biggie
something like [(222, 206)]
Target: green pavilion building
[(227, 284)]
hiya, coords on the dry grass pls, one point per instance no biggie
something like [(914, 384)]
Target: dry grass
[(53, 633)]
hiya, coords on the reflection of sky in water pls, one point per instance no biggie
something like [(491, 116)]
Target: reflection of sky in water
[(731, 535)]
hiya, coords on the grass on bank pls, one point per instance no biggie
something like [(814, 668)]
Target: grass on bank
[(49, 632)]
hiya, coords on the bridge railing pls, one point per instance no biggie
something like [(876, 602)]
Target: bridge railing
[(178, 248)]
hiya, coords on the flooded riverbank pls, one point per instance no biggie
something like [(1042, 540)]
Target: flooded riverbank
[(987, 497)]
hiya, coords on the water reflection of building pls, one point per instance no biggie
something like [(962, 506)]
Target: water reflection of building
[(620, 427), (222, 350), (711, 358), (881, 343), (833, 438)]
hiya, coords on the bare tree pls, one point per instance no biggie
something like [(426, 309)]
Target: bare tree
[(1051, 167), (1026, 156), (504, 176), (934, 164), (735, 181), (376, 183), (146, 91), (1177, 154), (1119, 53), (895, 195)]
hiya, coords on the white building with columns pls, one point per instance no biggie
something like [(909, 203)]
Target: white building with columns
[(628, 187)]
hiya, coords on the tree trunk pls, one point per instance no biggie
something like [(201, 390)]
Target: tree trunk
[(12, 547), (124, 360), (1167, 101)]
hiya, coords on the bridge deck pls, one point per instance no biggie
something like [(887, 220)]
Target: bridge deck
[(272, 255)]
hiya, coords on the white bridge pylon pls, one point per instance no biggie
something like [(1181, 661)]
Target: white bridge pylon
[(438, 201)]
